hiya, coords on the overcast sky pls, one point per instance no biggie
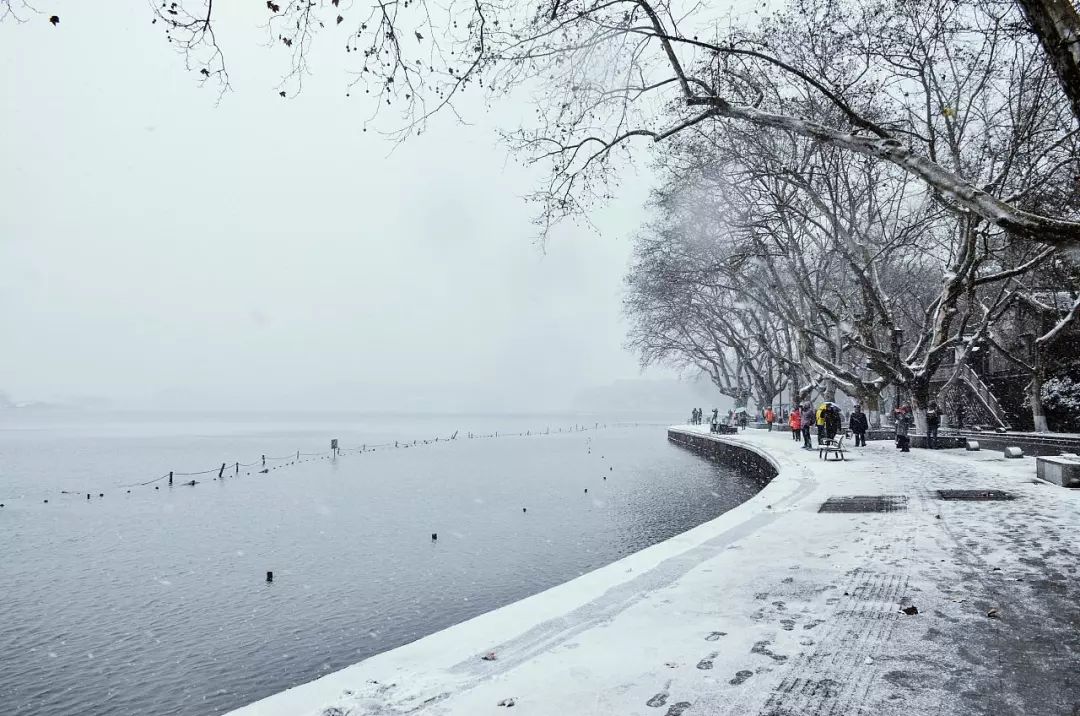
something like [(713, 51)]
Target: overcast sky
[(156, 249)]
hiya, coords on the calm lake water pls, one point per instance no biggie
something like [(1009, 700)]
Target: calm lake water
[(155, 601)]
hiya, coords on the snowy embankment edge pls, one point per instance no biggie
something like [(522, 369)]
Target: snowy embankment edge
[(427, 666)]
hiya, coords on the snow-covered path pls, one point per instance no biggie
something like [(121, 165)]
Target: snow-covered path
[(777, 609)]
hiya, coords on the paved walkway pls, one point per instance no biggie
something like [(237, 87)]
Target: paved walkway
[(775, 609)]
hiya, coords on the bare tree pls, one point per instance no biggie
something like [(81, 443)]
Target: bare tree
[(612, 72)]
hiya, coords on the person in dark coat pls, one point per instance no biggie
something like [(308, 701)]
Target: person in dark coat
[(933, 424), (833, 419), (858, 425), (904, 421)]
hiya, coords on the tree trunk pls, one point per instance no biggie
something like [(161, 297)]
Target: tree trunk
[(1035, 396), (920, 400), (1038, 416), (873, 409), (1057, 25), (829, 392)]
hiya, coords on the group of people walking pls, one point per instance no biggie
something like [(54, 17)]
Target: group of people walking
[(828, 419), (904, 420), (733, 418)]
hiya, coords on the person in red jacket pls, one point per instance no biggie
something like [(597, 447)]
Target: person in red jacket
[(770, 417), (795, 422)]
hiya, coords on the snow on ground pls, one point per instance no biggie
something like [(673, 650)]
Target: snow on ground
[(776, 609)]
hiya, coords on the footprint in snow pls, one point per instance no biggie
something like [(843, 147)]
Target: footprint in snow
[(659, 699), (762, 647), (706, 663), (677, 709), (715, 635), (741, 677)]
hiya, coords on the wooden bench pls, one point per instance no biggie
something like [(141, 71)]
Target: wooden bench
[(835, 447)]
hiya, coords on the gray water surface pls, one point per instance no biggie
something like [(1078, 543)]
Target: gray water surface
[(155, 601)]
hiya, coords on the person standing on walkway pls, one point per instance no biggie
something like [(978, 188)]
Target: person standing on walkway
[(858, 425), (819, 420), (795, 423), (806, 419), (903, 428), (770, 417), (833, 420), (933, 423)]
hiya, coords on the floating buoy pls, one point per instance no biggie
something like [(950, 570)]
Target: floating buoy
[(156, 487), (46, 502), (434, 536), (586, 489), (523, 509), (101, 494)]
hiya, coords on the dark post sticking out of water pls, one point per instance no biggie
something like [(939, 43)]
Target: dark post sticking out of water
[(264, 460), (237, 468), (221, 471), (269, 576), (434, 536), (170, 478)]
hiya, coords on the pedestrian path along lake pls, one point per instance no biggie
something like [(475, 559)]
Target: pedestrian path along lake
[(900, 602)]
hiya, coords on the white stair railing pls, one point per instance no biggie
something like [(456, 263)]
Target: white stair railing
[(982, 391)]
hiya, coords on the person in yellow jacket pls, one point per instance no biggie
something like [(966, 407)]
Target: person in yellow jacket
[(820, 415)]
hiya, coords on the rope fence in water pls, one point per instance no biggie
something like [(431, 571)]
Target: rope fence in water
[(234, 467)]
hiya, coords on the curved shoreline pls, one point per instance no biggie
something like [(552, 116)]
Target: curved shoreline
[(776, 607), (743, 456), (439, 664)]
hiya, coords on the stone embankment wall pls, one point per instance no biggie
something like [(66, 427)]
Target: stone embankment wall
[(743, 458)]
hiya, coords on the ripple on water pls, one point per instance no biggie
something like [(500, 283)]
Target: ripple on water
[(156, 602)]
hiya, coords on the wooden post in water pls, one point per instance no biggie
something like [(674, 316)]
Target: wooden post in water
[(237, 468), (264, 461), (221, 471), (269, 576), (170, 478)]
